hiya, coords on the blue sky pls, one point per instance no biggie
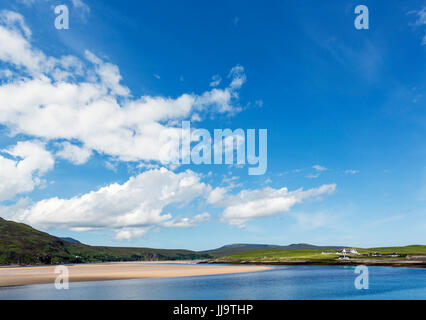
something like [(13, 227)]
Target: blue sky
[(344, 110)]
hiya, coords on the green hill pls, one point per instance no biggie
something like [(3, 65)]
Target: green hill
[(240, 248), (67, 239), (21, 244)]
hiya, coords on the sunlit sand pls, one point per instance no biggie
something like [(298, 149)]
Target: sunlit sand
[(17, 276)]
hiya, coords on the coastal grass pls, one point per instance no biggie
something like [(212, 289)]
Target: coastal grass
[(281, 255), (322, 256), (407, 250)]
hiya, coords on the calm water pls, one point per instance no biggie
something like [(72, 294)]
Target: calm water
[(298, 282)]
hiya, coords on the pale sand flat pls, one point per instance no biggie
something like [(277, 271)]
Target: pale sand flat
[(18, 276)]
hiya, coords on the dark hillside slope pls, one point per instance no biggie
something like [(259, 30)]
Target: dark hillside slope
[(24, 245)]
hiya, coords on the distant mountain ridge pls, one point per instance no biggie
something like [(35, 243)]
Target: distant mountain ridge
[(237, 248), (71, 240)]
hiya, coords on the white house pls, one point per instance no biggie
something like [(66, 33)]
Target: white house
[(354, 251), (348, 251)]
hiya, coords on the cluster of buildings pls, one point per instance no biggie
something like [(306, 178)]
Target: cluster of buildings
[(348, 251), (345, 252)]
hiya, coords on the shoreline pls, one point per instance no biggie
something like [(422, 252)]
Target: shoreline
[(21, 276), (378, 263)]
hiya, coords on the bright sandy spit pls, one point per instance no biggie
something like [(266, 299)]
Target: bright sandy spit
[(17, 276)]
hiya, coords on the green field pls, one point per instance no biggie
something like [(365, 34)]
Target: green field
[(317, 256), (414, 249), (281, 255)]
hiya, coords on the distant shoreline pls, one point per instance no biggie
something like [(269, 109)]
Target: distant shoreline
[(20, 276), (378, 263), (103, 262)]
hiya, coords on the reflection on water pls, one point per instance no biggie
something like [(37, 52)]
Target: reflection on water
[(295, 282)]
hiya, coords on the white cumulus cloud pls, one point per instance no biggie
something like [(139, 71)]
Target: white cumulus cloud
[(75, 154), (255, 204), (85, 102), (130, 209), (22, 166), (188, 222)]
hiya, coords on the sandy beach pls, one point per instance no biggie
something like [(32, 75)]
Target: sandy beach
[(18, 276)]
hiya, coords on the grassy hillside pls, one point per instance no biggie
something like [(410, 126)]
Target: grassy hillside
[(21, 244), (235, 249), (319, 256), (281, 255), (414, 249)]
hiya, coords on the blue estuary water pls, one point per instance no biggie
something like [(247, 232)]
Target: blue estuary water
[(283, 282)]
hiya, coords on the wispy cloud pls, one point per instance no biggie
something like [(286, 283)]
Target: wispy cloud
[(259, 103), (385, 220), (350, 171), (420, 20), (311, 221), (80, 4), (313, 175), (421, 17), (26, 2), (216, 80), (319, 168)]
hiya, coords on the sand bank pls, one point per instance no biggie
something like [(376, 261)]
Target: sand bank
[(17, 276)]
